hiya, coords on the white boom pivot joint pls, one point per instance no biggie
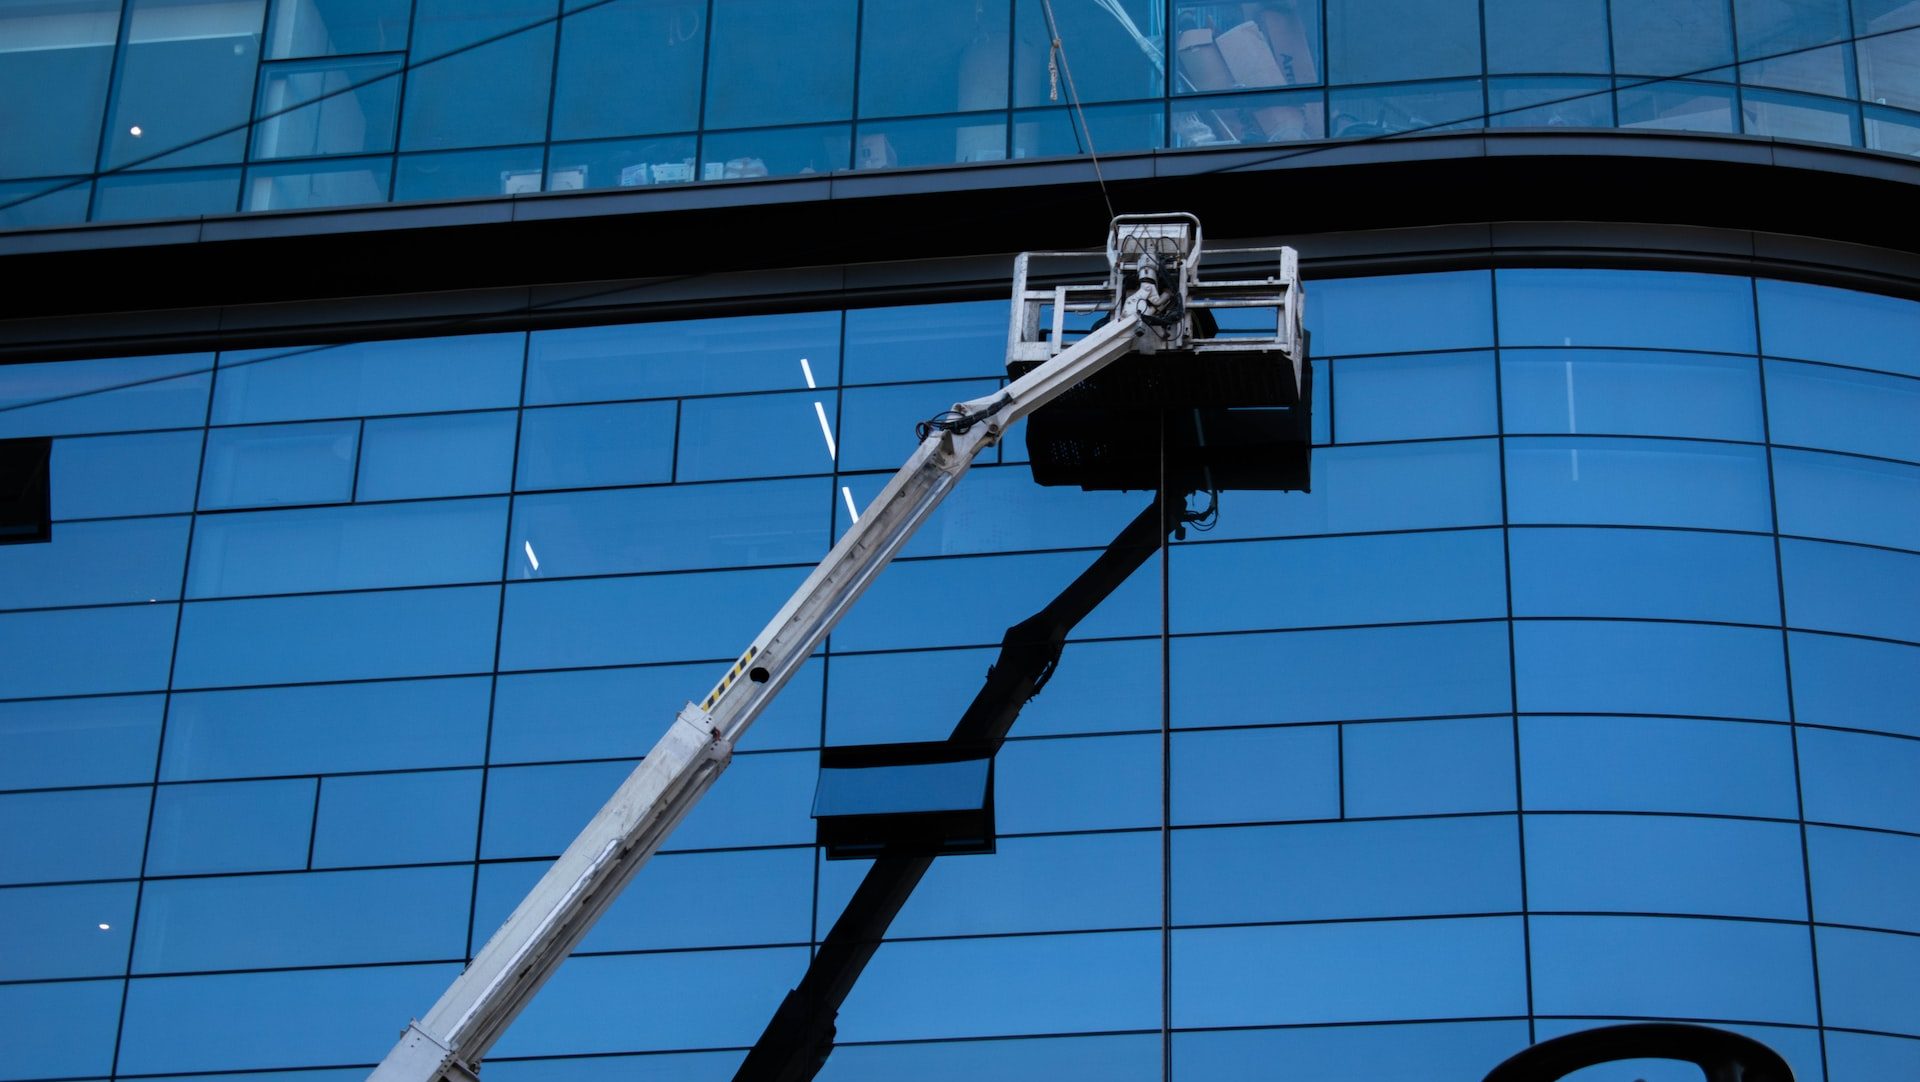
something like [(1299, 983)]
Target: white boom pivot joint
[(1149, 297)]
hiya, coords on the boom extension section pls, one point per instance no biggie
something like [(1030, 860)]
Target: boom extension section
[(1150, 298)]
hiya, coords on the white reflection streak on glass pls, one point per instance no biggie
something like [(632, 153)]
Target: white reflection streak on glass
[(1573, 420), (531, 558), (852, 512)]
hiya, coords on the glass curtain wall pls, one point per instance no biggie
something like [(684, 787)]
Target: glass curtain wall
[(224, 105), (1581, 687)]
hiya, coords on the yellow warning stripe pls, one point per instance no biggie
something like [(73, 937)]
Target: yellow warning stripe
[(726, 681)]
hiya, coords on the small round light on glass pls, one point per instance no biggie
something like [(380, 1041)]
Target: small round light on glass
[(134, 131), (106, 927)]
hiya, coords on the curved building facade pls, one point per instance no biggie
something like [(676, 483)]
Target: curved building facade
[(1582, 687)]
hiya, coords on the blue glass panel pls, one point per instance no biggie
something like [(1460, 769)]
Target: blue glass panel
[(1841, 410), (1249, 118), (1574, 479), (777, 152), (125, 475), (1405, 107), (680, 1066), (313, 107), (1856, 683), (1650, 668), (622, 1003), (1860, 1057), (758, 436), (44, 202), (186, 83), (1798, 320), (918, 787), (780, 62), (1885, 75), (1078, 783), (1548, 102), (81, 651), (656, 618), (80, 931), (1330, 675), (327, 183), (696, 356), (1133, 1057), (1256, 775), (1665, 864), (347, 548), (322, 918), (650, 49), (269, 465), (1429, 767), (745, 898), (1408, 39), (1655, 38), (1331, 871), (892, 614), (1435, 576), (1367, 971), (1096, 686), (1678, 106), (67, 50), (626, 444), (78, 741), (464, 174), (1891, 129), (285, 1019), (678, 528), (458, 454), (606, 713), (236, 826), (1402, 398), (97, 563), (1798, 116), (624, 163), (928, 341), (976, 137), (1637, 393), (1581, 308), (1670, 574), (920, 59), (394, 725), (1547, 35), (1846, 498), (1113, 64), (1036, 984), (1000, 509), (1032, 884), (1387, 487), (876, 423), (59, 1030), (188, 193), (1869, 980), (1864, 877), (339, 637), (415, 375), (72, 834), (479, 94), (1672, 967), (1860, 780), (1657, 764), (397, 818), (1453, 310), (1851, 589), (1415, 1053), (1049, 133), (331, 27), (1800, 1047), (120, 394)]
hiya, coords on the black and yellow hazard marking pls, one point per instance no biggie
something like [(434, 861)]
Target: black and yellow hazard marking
[(726, 681)]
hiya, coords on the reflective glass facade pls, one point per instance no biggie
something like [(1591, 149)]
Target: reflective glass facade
[(1581, 687), (134, 109)]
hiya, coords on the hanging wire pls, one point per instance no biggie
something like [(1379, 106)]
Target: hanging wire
[(1073, 98)]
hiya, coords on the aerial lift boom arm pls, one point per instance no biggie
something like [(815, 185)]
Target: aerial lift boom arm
[(1152, 263)]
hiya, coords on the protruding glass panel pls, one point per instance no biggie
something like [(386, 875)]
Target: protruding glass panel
[(935, 58), (980, 137), (315, 107), (1527, 36), (1409, 107), (1677, 106), (779, 152), (277, 465), (649, 49), (1402, 39), (1547, 102), (780, 62), (188, 193), (1668, 38), (102, 476), (1117, 51), (1428, 767), (238, 826), (186, 83), (1219, 46), (1630, 393), (479, 75), (473, 174), (73, 834), (54, 64), (336, 27), (1051, 133), (103, 741), (627, 163), (1249, 118), (1601, 764), (1671, 967)]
